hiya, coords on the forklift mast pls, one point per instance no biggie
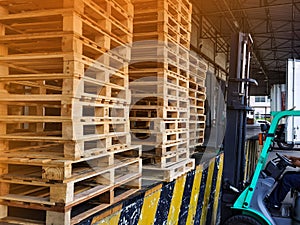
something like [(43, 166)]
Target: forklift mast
[(236, 119)]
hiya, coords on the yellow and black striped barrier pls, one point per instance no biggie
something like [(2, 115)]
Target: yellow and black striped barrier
[(190, 199)]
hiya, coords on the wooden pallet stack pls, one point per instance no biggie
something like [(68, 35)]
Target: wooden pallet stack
[(159, 83), (65, 146), (197, 96)]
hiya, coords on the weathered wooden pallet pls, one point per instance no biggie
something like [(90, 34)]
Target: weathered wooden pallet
[(63, 91), (158, 112), (157, 138), (72, 82), (197, 79), (148, 100), (154, 174), (47, 169), (164, 149), (158, 75), (150, 158), (166, 30), (197, 90), (158, 85), (108, 50), (196, 125), (197, 103), (85, 184), (32, 211), (30, 144), (158, 53), (176, 9), (197, 62), (160, 44), (159, 64), (118, 21), (158, 125)]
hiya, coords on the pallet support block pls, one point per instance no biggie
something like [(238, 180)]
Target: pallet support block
[(57, 218), (62, 193)]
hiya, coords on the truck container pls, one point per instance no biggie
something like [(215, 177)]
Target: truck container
[(293, 100)]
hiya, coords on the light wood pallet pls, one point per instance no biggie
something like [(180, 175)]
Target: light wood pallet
[(57, 148), (151, 158), (156, 87), (158, 65), (197, 96), (164, 150), (197, 90), (117, 19), (150, 137), (180, 11), (168, 32), (197, 68), (88, 183), (198, 101), (166, 113), (149, 100), (173, 76), (59, 169), (158, 125), (155, 52), (42, 86), (21, 212), (153, 174), (61, 187)]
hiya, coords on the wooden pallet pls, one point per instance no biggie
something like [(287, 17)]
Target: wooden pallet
[(180, 12), (168, 31), (178, 78), (47, 169), (198, 67), (176, 42), (167, 113), (152, 174), (150, 137), (156, 87), (150, 100), (150, 158), (30, 213), (21, 145), (158, 125), (85, 184), (164, 149), (118, 21), (158, 53)]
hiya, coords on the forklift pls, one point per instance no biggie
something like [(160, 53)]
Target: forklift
[(242, 202), (249, 208)]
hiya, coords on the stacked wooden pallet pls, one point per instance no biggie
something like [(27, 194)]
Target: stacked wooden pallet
[(65, 144), (197, 96), (159, 83)]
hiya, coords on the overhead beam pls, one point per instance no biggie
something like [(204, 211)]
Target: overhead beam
[(241, 9)]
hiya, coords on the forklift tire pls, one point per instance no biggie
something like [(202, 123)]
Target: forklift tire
[(241, 220)]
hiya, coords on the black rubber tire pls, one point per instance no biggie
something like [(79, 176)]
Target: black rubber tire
[(285, 146), (241, 220)]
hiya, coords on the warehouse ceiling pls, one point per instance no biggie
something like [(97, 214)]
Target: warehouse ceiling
[(275, 29)]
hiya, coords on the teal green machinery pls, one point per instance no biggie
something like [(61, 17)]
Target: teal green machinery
[(249, 207)]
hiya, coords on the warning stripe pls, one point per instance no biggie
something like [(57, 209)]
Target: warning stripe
[(207, 191), (195, 195), (190, 199), (218, 190), (161, 215), (176, 201), (150, 205)]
